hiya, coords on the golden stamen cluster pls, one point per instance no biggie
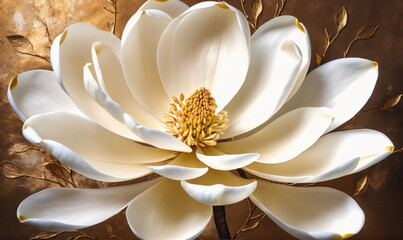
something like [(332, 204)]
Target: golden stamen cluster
[(194, 121)]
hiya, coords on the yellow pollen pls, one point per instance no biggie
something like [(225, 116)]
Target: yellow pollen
[(193, 120)]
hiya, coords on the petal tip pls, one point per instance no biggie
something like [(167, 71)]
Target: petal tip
[(98, 47), (14, 82), (222, 5), (299, 25), (347, 235), (390, 148), (374, 65), (63, 37)]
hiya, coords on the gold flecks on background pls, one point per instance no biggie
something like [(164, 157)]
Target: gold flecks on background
[(361, 186), (22, 45), (364, 33), (111, 231), (340, 20), (112, 26)]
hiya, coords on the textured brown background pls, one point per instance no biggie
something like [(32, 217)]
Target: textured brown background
[(382, 202)]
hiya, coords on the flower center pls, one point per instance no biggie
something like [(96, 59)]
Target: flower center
[(193, 120)]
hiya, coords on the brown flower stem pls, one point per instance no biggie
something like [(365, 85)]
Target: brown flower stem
[(241, 173), (220, 222)]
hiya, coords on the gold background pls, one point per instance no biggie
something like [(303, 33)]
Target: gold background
[(382, 202)]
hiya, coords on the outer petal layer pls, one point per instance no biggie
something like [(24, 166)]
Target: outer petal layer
[(90, 149), (219, 188), (165, 211), (284, 138), (280, 57), (310, 213), (36, 92), (343, 85), (204, 47), (332, 156), (61, 209)]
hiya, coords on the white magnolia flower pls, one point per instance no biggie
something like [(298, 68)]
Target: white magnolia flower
[(106, 108)]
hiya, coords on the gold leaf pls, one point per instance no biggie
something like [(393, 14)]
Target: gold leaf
[(367, 32), (56, 170), (361, 185), (392, 101), (318, 59), (256, 9), (327, 39), (341, 19), (10, 170), (109, 10), (21, 44)]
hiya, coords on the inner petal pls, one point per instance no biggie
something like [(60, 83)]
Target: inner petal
[(194, 120)]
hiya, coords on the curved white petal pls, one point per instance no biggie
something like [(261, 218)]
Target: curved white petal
[(165, 211), (62, 209), (344, 85), (204, 47), (219, 188), (309, 213), (90, 149), (172, 7), (154, 137), (139, 59), (223, 161), (284, 138), (185, 166), (70, 52), (112, 81), (280, 57), (332, 156), (34, 92)]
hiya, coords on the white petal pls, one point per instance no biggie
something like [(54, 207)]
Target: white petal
[(280, 57), (185, 166), (222, 161), (154, 137), (90, 149), (344, 85), (172, 7), (165, 211), (309, 213), (332, 156), (151, 136), (62, 209), (204, 47), (36, 92), (219, 188), (112, 81), (69, 53), (139, 59), (284, 138)]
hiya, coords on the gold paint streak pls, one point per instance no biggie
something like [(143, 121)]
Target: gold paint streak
[(98, 47), (390, 148), (347, 235), (300, 27), (161, 0), (143, 13), (14, 82), (25, 126), (369, 156), (63, 37), (374, 65), (22, 218), (222, 5)]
